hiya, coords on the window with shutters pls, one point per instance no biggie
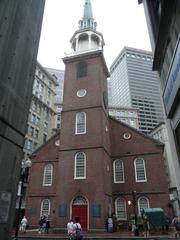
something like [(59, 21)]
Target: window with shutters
[(80, 123), (143, 202), (80, 166), (140, 170), (45, 207), (120, 208), (48, 173), (81, 70), (118, 171)]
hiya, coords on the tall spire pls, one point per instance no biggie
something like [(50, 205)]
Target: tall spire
[(87, 10), (87, 38), (88, 20)]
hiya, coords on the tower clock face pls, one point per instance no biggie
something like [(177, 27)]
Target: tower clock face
[(81, 92)]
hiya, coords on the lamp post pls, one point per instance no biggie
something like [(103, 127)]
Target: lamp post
[(134, 203), (25, 165), (136, 230)]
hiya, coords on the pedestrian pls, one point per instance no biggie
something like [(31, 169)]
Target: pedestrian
[(133, 225), (42, 224), (70, 230), (176, 225), (47, 225), (78, 229), (146, 225), (110, 224), (24, 223)]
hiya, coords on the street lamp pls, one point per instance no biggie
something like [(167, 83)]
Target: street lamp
[(25, 165), (134, 203)]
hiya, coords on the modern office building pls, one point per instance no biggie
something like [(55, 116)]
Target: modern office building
[(163, 21), (59, 94), (127, 115), (134, 85), (96, 163)]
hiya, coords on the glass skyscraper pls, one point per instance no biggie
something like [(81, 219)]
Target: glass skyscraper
[(134, 84)]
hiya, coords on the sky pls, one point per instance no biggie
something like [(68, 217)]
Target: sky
[(122, 23)]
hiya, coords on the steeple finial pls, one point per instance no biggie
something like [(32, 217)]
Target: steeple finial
[(88, 20)]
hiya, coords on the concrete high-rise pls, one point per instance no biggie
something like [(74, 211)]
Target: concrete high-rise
[(19, 36), (133, 84), (163, 22)]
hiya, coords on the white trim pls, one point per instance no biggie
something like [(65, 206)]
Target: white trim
[(49, 206), (75, 166), (44, 175), (148, 205), (80, 91), (71, 204), (76, 132), (114, 171), (144, 180), (125, 209)]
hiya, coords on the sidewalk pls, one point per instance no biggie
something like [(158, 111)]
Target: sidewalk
[(33, 234)]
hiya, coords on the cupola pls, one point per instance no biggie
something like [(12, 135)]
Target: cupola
[(87, 38)]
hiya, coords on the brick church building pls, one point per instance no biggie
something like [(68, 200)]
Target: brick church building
[(91, 168)]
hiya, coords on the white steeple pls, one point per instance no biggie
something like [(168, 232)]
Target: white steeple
[(87, 38)]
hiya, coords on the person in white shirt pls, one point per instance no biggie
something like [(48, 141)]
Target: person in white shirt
[(70, 229), (24, 224)]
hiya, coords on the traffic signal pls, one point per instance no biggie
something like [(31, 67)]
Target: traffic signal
[(129, 202)]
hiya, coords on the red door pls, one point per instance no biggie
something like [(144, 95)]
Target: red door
[(81, 212)]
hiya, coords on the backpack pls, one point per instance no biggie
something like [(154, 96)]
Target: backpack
[(78, 233), (177, 225)]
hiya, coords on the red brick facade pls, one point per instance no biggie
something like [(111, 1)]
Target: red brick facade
[(102, 144)]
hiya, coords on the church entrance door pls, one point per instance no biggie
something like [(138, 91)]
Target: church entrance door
[(80, 209)]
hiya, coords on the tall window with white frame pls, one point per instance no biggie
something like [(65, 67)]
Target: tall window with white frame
[(48, 174), (120, 208), (143, 202), (80, 166), (140, 170), (45, 207), (80, 123), (118, 171)]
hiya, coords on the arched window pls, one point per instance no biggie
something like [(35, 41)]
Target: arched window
[(82, 69), (143, 202), (48, 173), (118, 171), (120, 208), (45, 207), (80, 123), (140, 170), (80, 165)]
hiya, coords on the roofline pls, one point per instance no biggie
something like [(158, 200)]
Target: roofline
[(33, 154), (125, 49), (138, 131), (87, 54), (47, 73)]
